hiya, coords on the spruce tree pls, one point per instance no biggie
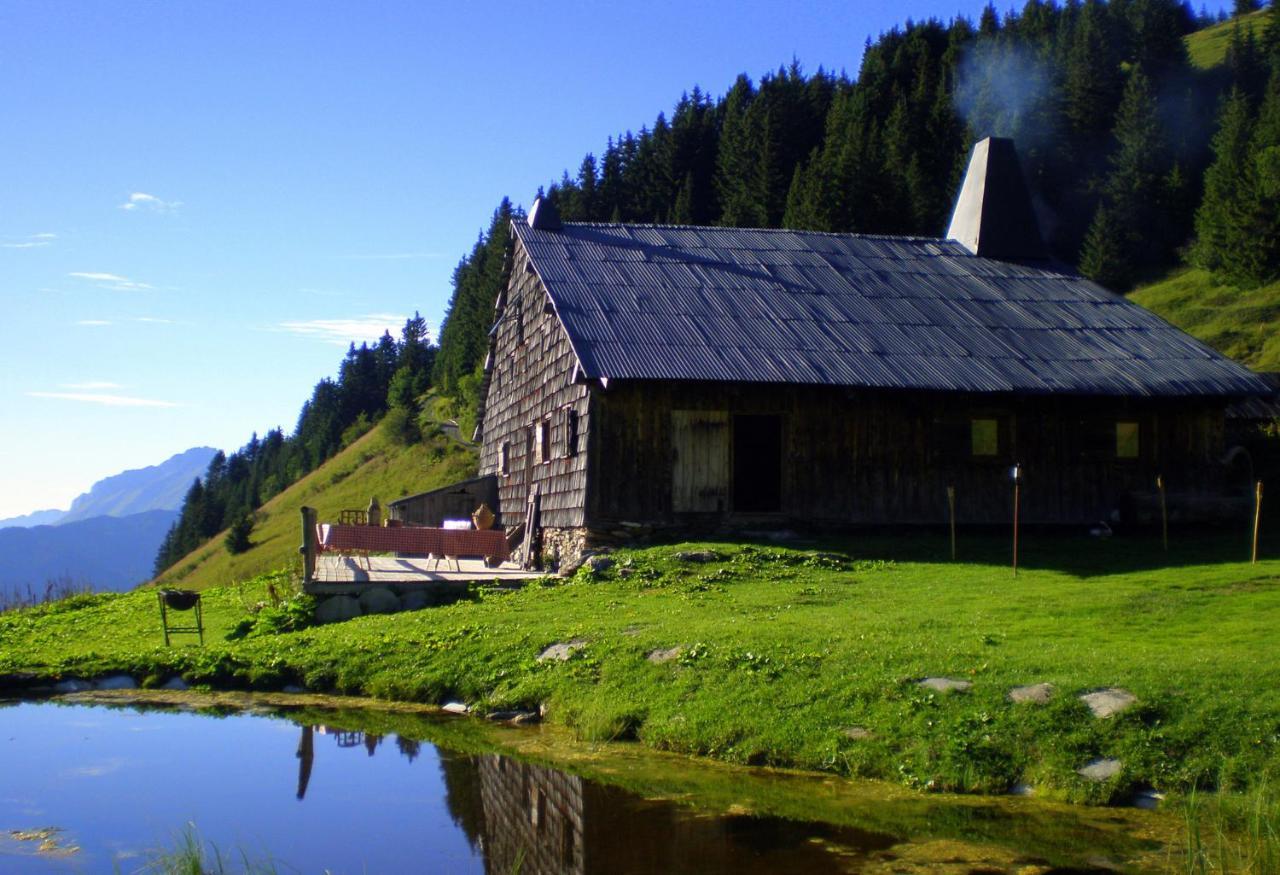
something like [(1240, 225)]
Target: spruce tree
[(1219, 229)]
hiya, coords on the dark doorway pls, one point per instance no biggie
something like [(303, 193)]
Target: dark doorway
[(757, 464)]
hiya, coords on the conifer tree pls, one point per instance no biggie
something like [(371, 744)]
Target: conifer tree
[(1219, 229)]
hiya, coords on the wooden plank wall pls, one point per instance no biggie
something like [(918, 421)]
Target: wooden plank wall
[(880, 457), (531, 380)]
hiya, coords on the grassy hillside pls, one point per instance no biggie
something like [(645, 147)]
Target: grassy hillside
[(1241, 324), (372, 465), (1208, 47)]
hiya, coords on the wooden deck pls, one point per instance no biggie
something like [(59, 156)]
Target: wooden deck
[(338, 573)]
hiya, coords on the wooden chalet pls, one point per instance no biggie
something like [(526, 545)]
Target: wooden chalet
[(645, 376)]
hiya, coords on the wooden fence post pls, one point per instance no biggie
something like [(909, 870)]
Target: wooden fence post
[(1016, 473), (308, 548), (951, 507), (1164, 513), (1257, 518)]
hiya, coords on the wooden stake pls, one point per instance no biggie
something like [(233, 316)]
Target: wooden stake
[(1164, 513), (1257, 518), (951, 506), (1017, 486)]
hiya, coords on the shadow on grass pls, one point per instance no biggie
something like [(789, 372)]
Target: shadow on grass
[(1040, 549)]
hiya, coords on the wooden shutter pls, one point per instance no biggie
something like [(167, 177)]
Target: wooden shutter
[(700, 469)]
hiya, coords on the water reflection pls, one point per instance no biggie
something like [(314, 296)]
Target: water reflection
[(538, 820)]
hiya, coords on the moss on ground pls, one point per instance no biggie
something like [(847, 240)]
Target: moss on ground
[(784, 651)]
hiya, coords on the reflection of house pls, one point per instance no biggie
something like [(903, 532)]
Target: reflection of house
[(533, 818), (663, 375)]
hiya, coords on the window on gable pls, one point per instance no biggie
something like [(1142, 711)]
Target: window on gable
[(571, 431), (1128, 440), (519, 320), (984, 437), (504, 459)]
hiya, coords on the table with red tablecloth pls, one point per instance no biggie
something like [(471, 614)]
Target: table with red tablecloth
[(419, 540)]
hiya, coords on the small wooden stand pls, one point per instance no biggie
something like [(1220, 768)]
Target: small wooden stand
[(951, 509), (1257, 519)]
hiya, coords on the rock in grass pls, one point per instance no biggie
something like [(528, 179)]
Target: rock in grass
[(1112, 700), (337, 608), (600, 563), (857, 733), (660, 655), (1099, 770), (516, 717), (945, 685), (414, 600), (454, 708), (1036, 694), (379, 600), (116, 682), (700, 556), (72, 685), (561, 652)]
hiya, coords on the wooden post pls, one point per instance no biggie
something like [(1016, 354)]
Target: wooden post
[(1164, 513), (1016, 473), (1257, 518), (951, 507), (308, 548)]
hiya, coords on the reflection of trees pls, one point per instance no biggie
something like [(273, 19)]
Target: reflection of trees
[(408, 747), (462, 794), (306, 757)]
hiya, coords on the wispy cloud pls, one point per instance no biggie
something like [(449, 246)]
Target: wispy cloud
[(103, 399), (343, 331), (93, 323), (140, 200), (391, 256), (111, 281), (153, 320), (96, 770), (31, 241), (92, 385)]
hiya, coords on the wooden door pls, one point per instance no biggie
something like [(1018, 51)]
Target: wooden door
[(700, 467)]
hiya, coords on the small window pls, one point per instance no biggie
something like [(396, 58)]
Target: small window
[(1128, 440), (519, 314), (504, 459), (571, 431), (984, 437), (542, 442)]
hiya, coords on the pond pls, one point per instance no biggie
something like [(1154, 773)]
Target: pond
[(347, 791)]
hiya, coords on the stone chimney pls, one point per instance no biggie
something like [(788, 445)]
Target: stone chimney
[(993, 215)]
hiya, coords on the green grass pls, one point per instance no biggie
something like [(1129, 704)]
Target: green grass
[(1239, 323), (372, 465), (784, 650), (1208, 47)]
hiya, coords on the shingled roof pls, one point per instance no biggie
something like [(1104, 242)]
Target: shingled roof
[(645, 302)]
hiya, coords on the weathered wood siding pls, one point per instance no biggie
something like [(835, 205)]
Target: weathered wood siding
[(530, 382), (457, 501), (881, 457)]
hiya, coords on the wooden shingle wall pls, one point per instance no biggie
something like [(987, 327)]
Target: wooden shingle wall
[(864, 458), (531, 382)]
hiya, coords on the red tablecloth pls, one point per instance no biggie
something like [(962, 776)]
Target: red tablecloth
[(491, 543)]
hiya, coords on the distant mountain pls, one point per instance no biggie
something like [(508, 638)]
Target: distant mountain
[(105, 553), (159, 487), (35, 518)]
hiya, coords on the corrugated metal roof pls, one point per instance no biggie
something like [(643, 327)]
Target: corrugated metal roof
[(651, 302)]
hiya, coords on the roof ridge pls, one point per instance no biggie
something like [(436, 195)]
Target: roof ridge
[(669, 226)]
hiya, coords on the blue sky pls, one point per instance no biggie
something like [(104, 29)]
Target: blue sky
[(203, 203)]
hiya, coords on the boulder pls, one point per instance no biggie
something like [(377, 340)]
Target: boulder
[(414, 600), (1035, 694), (945, 685), (515, 717), (455, 708), (338, 608), (379, 600), (72, 685), (1112, 700), (857, 733), (700, 556), (293, 688), (174, 683), (600, 563), (116, 682), (664, 655), (1100, 770), (561, 652)]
